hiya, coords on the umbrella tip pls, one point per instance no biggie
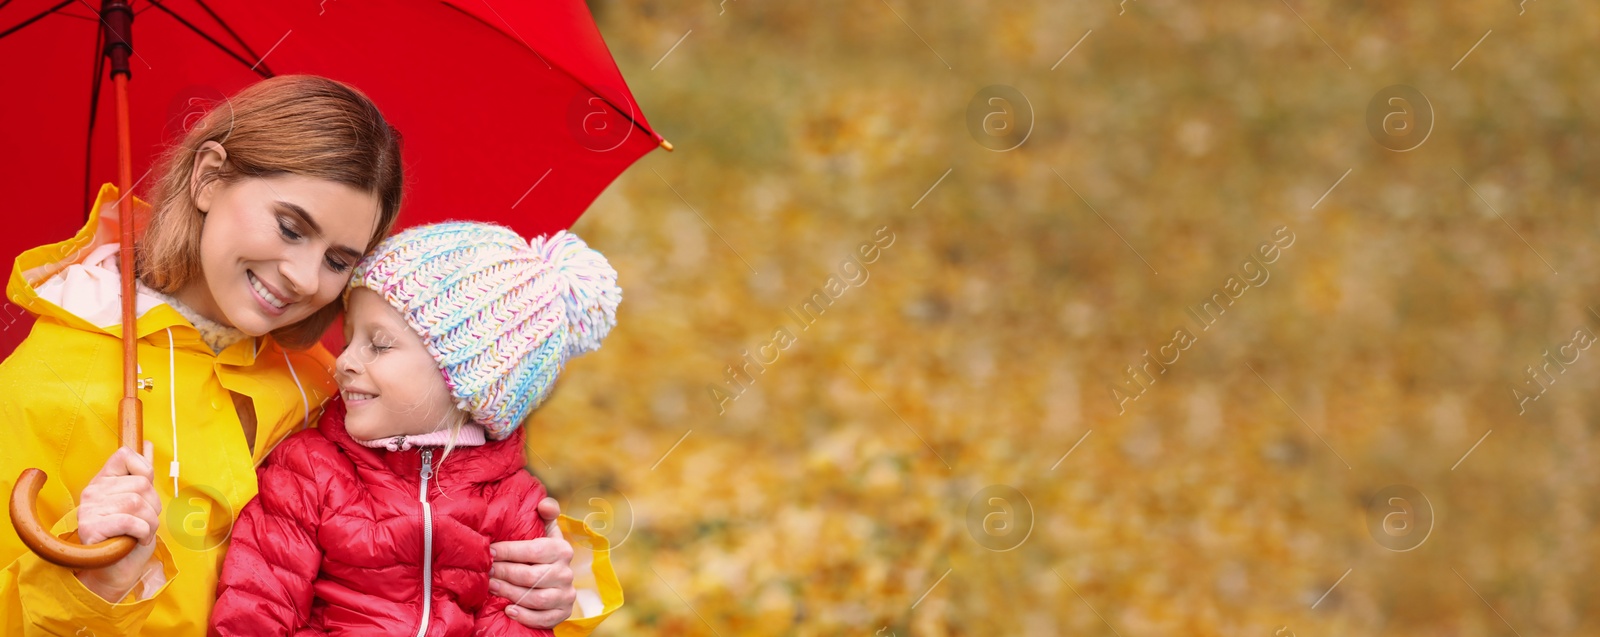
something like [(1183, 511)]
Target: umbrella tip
[(667, 145)]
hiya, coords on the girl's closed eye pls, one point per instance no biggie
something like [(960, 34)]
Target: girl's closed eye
[(381, 343)]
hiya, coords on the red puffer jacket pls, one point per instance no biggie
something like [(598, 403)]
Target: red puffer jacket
[(336, 543)]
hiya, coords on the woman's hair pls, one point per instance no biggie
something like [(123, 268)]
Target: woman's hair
[(290, 124)]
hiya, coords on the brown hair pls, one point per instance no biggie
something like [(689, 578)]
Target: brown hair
[(289, 124)]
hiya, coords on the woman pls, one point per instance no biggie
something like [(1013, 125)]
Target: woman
[(259, 215)]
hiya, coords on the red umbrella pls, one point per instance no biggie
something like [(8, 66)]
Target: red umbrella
[(514, 112), (491, 99)]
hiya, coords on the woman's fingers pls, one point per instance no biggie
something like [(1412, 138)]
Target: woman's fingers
[(544, 593), (124, 462), (535, 607), (542, 550), (138, 485), (538, 619), (117, 489), (121, 499), (531, 598), (122, 514), (130, 484), (557, 575), (119, 524), (549, 509), (150, 513), (131, 505), (536, 575)]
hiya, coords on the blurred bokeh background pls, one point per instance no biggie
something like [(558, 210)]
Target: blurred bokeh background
[(919, 459)]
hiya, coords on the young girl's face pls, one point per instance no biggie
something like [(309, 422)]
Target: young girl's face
[(274, 250), (390, 384)]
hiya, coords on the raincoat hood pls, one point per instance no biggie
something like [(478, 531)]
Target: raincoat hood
[(77, 282)]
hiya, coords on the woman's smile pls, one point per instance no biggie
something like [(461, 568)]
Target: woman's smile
[(272, 304), (290, 239)]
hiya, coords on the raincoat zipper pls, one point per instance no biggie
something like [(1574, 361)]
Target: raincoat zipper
[(427, 542)]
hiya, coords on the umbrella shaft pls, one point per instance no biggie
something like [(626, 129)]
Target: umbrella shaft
[(131, 432)]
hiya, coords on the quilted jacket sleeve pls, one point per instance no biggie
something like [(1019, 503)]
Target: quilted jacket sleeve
[(513, 515), (266, 582)]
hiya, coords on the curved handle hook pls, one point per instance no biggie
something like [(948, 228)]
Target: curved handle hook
[(49, 547)]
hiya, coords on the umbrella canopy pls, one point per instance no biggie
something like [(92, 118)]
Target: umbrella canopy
[(514, 113)]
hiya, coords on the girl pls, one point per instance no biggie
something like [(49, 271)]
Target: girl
[(260, 212), (378, 522)]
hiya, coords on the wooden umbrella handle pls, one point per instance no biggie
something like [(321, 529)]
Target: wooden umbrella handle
[(49, 547), (117, 20), (55, 550)]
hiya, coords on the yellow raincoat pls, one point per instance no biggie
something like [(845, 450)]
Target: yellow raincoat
[(58, 401)]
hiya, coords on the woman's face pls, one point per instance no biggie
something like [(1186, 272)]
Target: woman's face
[(274, 250), (390, 383)]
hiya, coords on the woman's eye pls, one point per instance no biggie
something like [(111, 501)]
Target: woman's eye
[(337, 265), (288, 233)]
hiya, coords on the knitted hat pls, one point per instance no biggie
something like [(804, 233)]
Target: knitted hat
[(499, 314)]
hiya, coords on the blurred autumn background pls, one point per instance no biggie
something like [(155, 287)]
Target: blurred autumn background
[(1441, 248)]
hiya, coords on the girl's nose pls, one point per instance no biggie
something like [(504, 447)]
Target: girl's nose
[(347, 364)]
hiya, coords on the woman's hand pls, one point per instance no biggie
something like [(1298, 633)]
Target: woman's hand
[(121, 500), (536, 575)]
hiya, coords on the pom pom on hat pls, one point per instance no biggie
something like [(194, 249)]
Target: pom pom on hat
[(591, 294)]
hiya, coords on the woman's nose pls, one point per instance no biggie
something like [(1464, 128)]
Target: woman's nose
[(300, 276)]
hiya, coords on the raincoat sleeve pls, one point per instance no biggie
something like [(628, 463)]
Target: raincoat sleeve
[(266, 582), (513, 515), (42, 421)]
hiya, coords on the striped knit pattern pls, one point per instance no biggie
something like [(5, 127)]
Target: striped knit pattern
[(499, 314)]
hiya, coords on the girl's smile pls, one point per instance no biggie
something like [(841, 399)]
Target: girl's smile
[(353, 397)]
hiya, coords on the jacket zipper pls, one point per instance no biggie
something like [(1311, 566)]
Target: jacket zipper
[(427, 542)]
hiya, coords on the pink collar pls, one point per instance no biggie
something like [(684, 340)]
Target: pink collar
[(471, 435)]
